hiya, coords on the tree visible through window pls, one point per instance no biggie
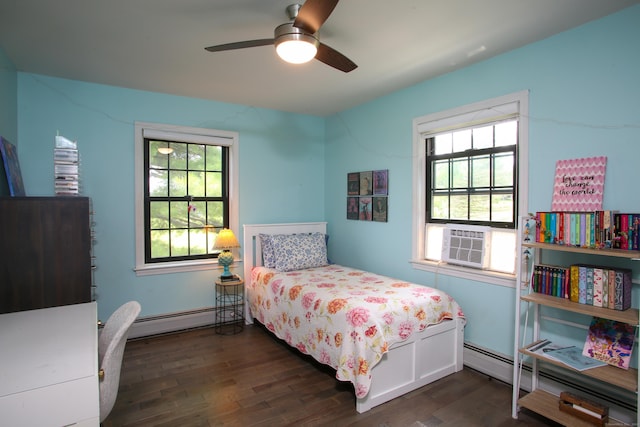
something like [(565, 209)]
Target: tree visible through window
[(186, 199), (471, 175)]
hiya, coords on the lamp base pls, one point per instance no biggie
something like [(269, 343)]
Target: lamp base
[(225, 259)]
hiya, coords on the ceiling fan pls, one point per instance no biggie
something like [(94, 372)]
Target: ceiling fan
[(297, 41)]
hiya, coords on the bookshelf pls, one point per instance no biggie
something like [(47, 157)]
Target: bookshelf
[(542, 401)]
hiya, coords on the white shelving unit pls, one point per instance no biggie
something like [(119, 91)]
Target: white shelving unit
[(538, 400)]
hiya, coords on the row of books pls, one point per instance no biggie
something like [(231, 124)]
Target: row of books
[(585, 284), (66, 171), (598, 229)]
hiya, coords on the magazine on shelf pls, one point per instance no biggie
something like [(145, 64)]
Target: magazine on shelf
[(569, 355), (610, 341)]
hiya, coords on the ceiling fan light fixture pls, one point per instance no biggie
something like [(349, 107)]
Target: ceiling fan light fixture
[(296, 51), (295, 46)]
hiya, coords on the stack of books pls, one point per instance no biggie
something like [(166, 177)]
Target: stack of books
[(65, 164)]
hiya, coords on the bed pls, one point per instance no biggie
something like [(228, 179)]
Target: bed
[(387, 337)]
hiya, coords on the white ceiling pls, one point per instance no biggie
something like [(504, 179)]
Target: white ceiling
[(158, 45)]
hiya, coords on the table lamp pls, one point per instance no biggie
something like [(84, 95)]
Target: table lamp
[(225, 241)]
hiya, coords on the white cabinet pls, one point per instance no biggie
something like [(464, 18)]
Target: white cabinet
[(49, 367), (539, 400)]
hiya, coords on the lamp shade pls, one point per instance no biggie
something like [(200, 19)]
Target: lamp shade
[(226, 240)]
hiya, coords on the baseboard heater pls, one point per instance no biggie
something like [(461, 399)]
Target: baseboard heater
[(172, 322)]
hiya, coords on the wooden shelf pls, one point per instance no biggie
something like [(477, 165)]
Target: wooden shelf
[(629, 316), (619, 253), (547, 405), (626, 379)]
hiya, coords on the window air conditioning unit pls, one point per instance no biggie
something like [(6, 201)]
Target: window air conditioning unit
[(466, 245)]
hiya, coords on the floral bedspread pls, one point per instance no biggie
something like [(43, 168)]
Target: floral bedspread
[(343, 317)]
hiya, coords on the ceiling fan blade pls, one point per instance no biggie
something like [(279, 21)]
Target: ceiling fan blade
[(240, 45), (313, 13), (334, 59)]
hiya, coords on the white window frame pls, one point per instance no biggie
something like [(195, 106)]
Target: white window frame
[(451, 119), (183, 134)]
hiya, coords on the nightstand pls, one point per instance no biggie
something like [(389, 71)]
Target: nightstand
[(229, 307)]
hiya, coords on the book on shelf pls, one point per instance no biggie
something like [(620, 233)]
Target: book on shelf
[(622, 289), (611, 282), (542, 347), (589, 286), (572, 356), (610, 342), (569, 355)]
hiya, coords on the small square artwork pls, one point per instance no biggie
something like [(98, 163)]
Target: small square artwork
[(379, 209), (353, 184), (366, 183), (353, 207), (365, 208), (578, 185), (380, 182), (11, 168)]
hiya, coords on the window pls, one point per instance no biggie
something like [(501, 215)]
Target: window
[(470, 167), (471, 175), (186, 192)]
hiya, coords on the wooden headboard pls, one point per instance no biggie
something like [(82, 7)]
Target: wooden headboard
[(252, 252)]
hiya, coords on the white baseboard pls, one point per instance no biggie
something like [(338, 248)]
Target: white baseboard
[(488, 362), (172, 322)]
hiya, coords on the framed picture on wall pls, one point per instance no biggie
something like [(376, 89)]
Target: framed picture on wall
[(380, 182), (365, 208), (353, 207), (366, 183), (379, 209), (353, 183)]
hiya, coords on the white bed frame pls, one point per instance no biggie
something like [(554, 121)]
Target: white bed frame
[(422, 359)]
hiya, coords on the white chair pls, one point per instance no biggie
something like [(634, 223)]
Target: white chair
[(111, 343)]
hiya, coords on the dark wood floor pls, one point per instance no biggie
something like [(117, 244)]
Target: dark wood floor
[(198, 378)]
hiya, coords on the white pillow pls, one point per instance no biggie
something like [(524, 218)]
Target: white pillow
[(298, 251)]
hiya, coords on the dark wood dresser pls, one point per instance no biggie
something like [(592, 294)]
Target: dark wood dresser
[(45, 252)]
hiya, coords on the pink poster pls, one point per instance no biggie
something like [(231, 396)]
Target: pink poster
[(579, 185)]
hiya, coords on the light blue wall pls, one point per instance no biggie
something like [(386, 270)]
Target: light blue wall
[(8, 99), (584, 101), (281, 172)]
